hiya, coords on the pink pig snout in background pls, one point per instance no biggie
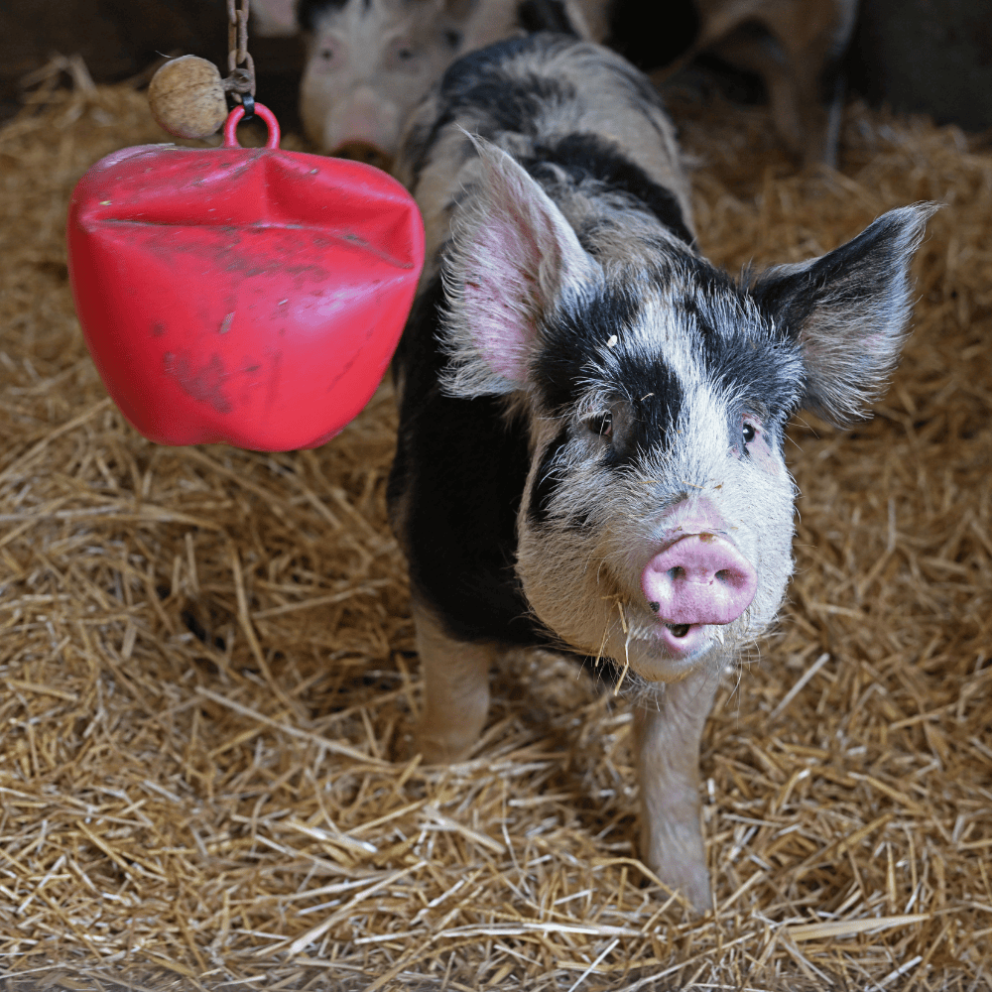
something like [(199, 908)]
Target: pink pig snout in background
[(362, 127)]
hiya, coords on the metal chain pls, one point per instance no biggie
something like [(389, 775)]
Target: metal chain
[(240, 65)]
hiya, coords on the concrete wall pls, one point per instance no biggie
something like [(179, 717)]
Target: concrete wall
[(933, 56)]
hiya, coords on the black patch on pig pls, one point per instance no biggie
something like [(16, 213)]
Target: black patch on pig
[(658, 398), (461, 469), (545, 15), (755, 363), (576, 344), (588, 156), (308, 12), (547, 481), (575, 341), (500, 97), (855, 274), (478, 82)]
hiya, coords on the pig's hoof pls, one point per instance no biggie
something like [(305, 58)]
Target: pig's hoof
[(691, 881), (441, 751)]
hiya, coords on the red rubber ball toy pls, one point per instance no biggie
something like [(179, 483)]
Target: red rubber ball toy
[(250, 296)]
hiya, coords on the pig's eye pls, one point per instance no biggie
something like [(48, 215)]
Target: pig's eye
[(748, 432), (404, 55), (327, 54), (601, 425)]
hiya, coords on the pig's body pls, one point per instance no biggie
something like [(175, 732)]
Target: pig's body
[(369, 62), (592, 416)]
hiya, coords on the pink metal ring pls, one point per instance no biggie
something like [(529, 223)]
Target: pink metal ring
[(231, 126)]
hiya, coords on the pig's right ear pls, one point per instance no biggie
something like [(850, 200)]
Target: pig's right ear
[(511, 259), (848, 310)]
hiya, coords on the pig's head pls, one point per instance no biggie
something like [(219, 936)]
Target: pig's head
[(368, 63), (656, 523)]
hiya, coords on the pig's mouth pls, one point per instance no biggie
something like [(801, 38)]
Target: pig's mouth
[(666, 651), (680, 639), (683, 639)]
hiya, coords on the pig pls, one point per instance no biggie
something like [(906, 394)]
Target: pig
[(796, 47), (591, 415), (369, 62)]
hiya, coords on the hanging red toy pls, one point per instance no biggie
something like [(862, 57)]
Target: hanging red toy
[(251, 296)]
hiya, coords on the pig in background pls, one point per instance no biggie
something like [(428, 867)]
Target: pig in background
[(369, 62), (590, 450), (796, 47)]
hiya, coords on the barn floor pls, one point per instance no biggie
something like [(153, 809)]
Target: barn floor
[(208, 680)]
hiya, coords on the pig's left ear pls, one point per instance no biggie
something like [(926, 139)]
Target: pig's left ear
[(848, 311), (510, 261), (274, 18)]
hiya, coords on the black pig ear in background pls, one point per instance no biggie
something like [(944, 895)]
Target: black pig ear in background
[(848, 310), (511, 259)]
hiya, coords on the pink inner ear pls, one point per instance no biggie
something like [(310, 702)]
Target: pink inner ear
[(502, 295), (496, 329)]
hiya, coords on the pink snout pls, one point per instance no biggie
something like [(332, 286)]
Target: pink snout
[(699, 579), (362, 151)]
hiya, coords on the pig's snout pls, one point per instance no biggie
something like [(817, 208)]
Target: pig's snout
[(361, 151), (700, 579)]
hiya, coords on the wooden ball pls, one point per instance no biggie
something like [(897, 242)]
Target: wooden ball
[(187, 99)]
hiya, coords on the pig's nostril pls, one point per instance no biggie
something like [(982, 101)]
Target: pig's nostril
[(700, 579), (655, 607), (732, 577)]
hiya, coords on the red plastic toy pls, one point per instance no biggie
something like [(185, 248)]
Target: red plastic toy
[(252, 296)]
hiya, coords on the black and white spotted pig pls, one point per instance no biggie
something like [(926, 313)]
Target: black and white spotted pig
[(592, 415)]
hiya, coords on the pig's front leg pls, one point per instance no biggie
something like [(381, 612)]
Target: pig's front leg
[(667, 732), (456, 691)]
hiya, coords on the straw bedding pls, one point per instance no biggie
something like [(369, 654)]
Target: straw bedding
[(208, 679)]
